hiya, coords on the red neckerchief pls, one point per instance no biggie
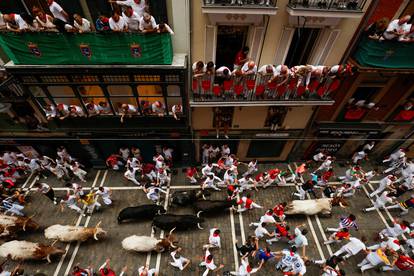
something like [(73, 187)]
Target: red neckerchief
[(248, 268), (216, 235), (403, 227), (396, 242)]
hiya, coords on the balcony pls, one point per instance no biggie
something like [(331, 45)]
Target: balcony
[(385, 54), (326, 8), (242, 7), (87, 48), (256, 90)]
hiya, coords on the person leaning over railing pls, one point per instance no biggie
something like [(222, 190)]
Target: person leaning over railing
[(82, 25), (397, 28), (117, 23), (43, 21), (147, 23), (132, 18)]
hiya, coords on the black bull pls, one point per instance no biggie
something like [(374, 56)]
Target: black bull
[(179, 222), (213, 207), (139, 213)]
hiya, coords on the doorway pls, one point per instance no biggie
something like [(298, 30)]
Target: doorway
[(301, 47), (230, 39)]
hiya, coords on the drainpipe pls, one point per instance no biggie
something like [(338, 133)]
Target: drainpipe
[(86, 11), (355, 39)]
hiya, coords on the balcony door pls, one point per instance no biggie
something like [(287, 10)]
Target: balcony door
[(230, 39), (302, 46)]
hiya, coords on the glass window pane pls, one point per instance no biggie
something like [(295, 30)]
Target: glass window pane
[(173, 91), (117, 102), (149, 90), (90, 90), (67, 101), (98, 106), (60, 91), (147, 78), (37, 91), (120, 90), (152, 105), (173, 101), (43, 102), (85, 78)]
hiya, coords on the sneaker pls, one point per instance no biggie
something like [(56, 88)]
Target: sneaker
[(251, 224), (225, 136), (268, 242), (364, 210)]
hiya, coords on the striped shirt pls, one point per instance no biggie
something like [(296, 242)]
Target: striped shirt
[(346, 222)]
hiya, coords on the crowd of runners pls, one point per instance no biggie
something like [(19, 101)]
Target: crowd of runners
[(221, 170)]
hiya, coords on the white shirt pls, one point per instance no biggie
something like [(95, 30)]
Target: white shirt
[(150, 272), (168, 28), (168, 153), (225, 151), (85, 27), (105, 192), (138, 8), (56, 10), (144, 25), (33, 165), (178, 262), (260, 231), (397, 230), (44, 188), (383, 199), (300, 239), (130, 175), (245, 68), (133, 21), (214, 240), (118, 26), (263, 70), (124, 153), (267, 218), (243, 268), (318, 157), (287, 258), (298, 266), (394, 26), (19, 22), (354, 246)]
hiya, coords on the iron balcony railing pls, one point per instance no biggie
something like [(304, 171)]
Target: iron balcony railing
[(258, 88), (241, 3), (343, 5)]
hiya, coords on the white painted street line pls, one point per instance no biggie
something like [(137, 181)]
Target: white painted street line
[(242, 233), (27, 181), (62, 259), (318, 222), (315, 237), (233, 236), (88, 219), (30, 187), (158, 262)]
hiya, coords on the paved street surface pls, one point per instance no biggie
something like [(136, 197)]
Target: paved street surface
[(233, 226)]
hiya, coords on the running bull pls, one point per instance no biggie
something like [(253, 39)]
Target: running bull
[(185, 198), (10, 225), (314, 206), (24, 250), (69, 233), (148, 244), (179, 222), (214, 207), (139, 213)]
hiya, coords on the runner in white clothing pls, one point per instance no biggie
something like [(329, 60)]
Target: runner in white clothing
[(208, 263), (179, 261), (383, 184), (105, 193), (380, 202), (267, 218), (214, 240), (209, 182), (130, 174), (245, 269), (352, 247)]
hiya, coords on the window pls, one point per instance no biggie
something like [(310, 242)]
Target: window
[(146, 104), (118, 101), (54, 79), (43, 102), (173, 101), (85, 78), (275, 116), (120, 90), (60, 91), (118, 78), (67, 101), (359, 104), (172, 78), (92, 90), (265, 148), (301, 46), (28, 79), (37, 91), (173, 91), (149, 91), (147, 78), (405, 113)]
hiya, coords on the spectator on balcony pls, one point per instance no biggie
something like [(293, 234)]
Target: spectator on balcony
[(82, 25), (158, 108), (127, 110), (281, 76), (43, 21), (117, 23), (147, 23), (57, 11), (15, 22), (139, 6), (210, 68), (376, 29), (50, 111), (132, 18), (177, 110), (76, 111), (233, 2), (164, 28), (408, 37), (93, 109), (397, 28), (2, 23), (63, 110), (222, 74), (249, 68), (104, 108), (267, 70), (146, 107), (302, 73), (263, 2), (102, 23), (241, 57), (198, 69)]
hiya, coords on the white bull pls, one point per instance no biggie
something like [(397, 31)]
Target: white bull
[(69, 233), (314, 206), (24, 250), (147, 243)]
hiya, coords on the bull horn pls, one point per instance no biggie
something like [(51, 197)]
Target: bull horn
[(99, 223), (203, 197), (341, 205), (48, 258), (32, 216), (54, 242), (95, 236), (198, 214), (199, 226), (172, 230), (172, 245)]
